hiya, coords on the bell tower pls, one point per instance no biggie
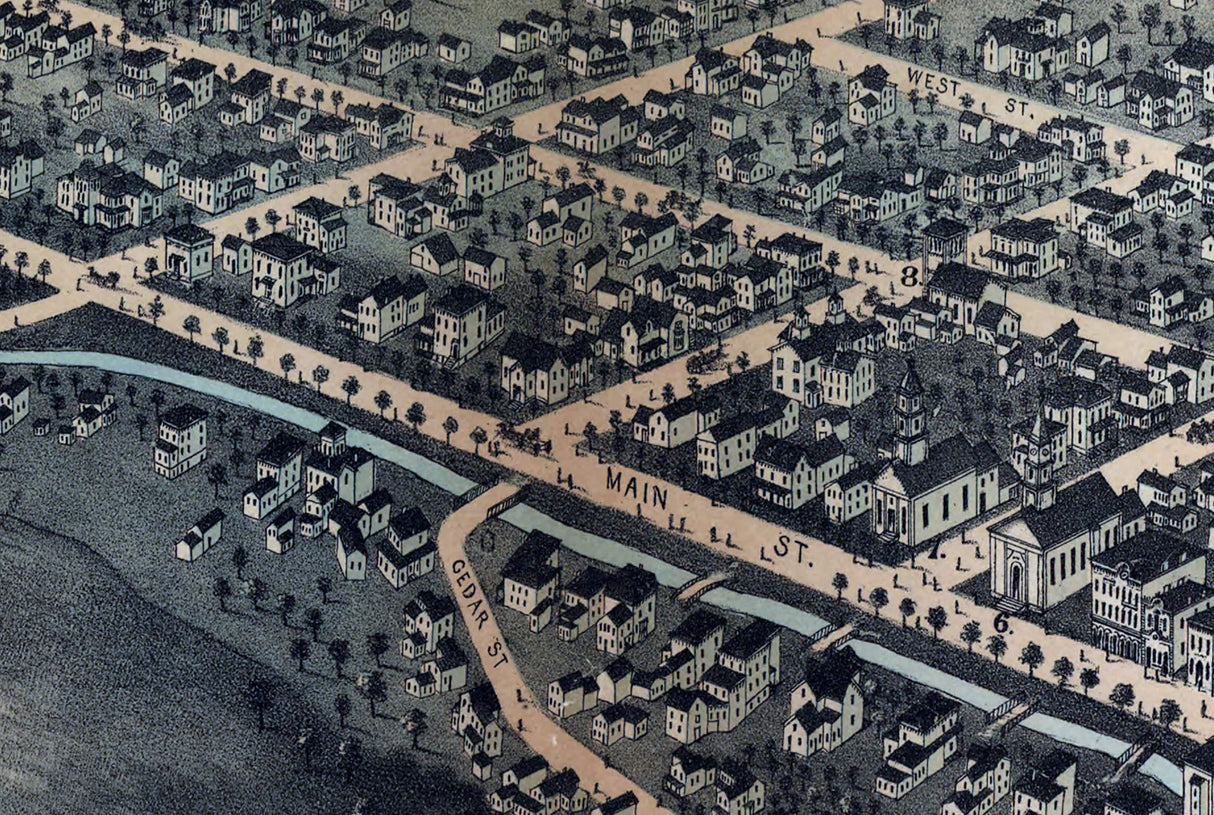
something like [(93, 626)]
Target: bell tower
[(1039, 489), (910, 420)]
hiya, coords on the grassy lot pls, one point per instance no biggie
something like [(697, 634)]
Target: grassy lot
[(113, 701), (135, 538), (959, 27)]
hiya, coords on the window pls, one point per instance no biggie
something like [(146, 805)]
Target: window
[(1053, 578), (965, 497)]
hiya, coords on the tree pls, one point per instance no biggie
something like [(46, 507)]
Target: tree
[(313, 618), (320, 375), (374, 690), (416, 415), (1089, 678), (479, 437), (1122, 695), (1031, 657), (378, 644), (839, 582), (300, 649), (350, 386), (220, 336), (1169, 712), (222, 590), (1118, 15), (324, 585), (255, 348), (257, 591), (996, 645), (191, 325), (240, 559), (640, 200), (156, 309), (339, 651), (217, 474), (383, 401), (450, 425), (286, 604), (937, 618), (287, 363), (1149, 17), (414, 723), (341, 705), (1122, 148), (878, 598), (971, 633), (260, 696), (1063, 670), (906, 608)]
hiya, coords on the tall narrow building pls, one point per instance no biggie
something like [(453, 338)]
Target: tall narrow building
[(910, 423), (1039, 489)]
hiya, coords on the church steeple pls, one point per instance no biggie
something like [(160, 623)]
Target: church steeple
[(1039, 489), (835, 313), (910, 421)]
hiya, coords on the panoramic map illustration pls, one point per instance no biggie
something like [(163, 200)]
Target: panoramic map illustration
[(607, 407)]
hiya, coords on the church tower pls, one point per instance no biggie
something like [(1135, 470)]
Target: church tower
[(835, 313), (801, 326), (910, 421), (1039, 490)]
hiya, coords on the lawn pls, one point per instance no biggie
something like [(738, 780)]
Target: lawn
[(135, 538)]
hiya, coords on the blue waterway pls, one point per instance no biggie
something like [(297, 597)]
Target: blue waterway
[(602, 549)]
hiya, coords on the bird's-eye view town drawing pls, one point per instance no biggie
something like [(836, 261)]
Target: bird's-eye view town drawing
[(607, 407)]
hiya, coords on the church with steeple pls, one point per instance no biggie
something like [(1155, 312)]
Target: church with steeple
[(1042, 554), (925, 490)]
